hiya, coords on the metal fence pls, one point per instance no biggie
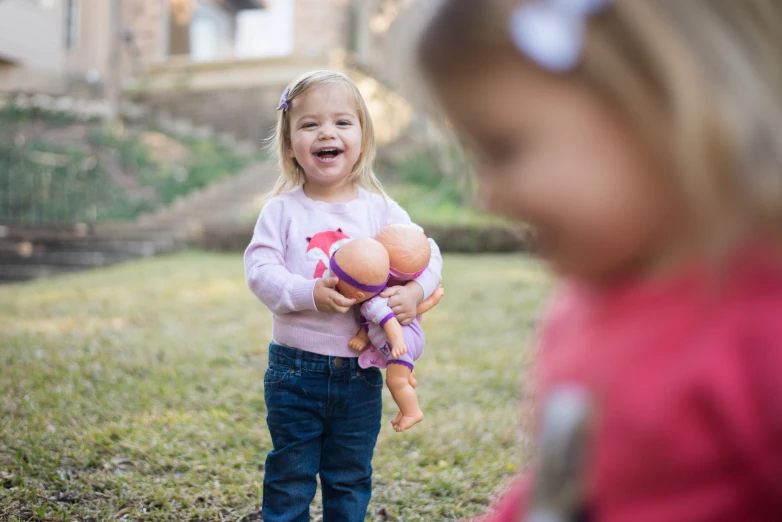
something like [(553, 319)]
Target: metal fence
[(40, 187)]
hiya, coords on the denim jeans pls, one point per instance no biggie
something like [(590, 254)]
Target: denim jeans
[(324, 418)]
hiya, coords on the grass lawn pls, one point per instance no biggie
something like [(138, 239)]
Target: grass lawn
[(427, 207), (135, 393)]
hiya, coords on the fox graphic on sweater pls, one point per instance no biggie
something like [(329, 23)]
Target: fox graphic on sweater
[(322, 246)]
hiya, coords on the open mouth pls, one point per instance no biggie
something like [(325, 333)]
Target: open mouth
[(328, 154)]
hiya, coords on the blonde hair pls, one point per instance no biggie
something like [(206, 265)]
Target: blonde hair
[(292, 176), (701, 79)]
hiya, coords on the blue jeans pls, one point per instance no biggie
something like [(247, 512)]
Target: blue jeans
[(324, 418)]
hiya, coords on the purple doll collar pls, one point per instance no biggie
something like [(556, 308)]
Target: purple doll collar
[(404, 276)]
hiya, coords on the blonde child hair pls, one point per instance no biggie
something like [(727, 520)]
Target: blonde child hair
[(701, 79), (292, 175)]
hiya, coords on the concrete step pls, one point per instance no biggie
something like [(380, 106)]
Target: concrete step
[(20, 273), (64, 259), (104, 245)]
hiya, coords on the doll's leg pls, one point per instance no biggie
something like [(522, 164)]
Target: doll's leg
[(398, 380), (429, 303), (413, 381), (360, 341)]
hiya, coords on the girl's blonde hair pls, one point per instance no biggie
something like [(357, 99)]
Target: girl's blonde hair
[(701, 79), (292, 176)]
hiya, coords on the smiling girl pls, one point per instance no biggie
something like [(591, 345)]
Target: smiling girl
[(323, 409)]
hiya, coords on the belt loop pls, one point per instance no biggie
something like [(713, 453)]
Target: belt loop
[(299, 355)]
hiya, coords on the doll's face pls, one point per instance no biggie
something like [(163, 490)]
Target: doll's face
[(366, 261)]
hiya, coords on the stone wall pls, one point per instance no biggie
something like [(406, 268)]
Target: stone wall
[(460, 239), (248, 113)]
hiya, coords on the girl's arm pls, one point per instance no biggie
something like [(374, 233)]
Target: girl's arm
[(432, 277), (264, 266)]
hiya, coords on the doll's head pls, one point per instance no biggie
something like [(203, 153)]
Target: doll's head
[(408, 251), (362, 268)]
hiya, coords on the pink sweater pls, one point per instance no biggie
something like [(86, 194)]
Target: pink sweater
[(291, 246)]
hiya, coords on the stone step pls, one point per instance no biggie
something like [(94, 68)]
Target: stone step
[(104, 245), (19, 273), (65, 259)]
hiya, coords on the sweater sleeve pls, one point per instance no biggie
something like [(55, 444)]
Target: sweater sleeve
[(264, 266), (432, 276)]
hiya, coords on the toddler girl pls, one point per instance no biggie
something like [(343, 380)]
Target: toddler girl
[(323, 410), (643, 141)]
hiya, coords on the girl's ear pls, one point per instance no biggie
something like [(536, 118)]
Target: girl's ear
[(290, 153)]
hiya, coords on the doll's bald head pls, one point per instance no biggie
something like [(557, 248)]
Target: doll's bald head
[(362, 266), (408, 248)]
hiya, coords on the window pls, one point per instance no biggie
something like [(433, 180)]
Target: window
[(72, 11), (265, 33)]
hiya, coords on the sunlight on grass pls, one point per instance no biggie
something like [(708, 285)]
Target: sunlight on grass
[(137, 391)]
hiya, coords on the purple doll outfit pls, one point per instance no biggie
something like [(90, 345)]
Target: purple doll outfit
[(374, 315)]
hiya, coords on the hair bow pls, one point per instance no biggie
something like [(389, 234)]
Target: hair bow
[(284, 101), (551, 32)]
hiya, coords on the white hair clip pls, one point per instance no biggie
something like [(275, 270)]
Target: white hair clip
[(551, 32)]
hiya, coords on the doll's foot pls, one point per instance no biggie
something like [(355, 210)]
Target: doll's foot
[(404, 422), (412, 380), (357, 344)]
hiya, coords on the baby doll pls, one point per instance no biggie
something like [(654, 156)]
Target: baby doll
[(409, 253)]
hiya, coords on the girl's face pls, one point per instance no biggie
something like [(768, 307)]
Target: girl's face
[(325, 134), (551, 154)]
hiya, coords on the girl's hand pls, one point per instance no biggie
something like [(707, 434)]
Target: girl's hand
[(403, 301), (329, 300)]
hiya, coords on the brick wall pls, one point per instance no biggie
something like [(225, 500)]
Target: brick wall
[(319, 26), (146, 18)]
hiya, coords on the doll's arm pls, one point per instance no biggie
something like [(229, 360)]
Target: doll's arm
[(431, 302), (360, 341), (396, 337)]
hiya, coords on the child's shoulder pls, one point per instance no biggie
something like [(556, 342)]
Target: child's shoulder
[(281, 202), (384, 207), (375, 199)]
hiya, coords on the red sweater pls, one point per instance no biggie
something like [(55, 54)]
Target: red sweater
[(687, 379)]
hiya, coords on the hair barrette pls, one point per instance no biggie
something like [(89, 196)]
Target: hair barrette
[(284, 101), (551, 32)]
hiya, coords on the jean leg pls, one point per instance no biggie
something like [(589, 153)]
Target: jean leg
[(296, 422), (352, 427)]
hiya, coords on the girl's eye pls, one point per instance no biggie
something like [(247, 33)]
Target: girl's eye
[(308, 125), (343, 122)]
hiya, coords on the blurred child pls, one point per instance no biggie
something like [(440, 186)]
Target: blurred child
[(323, 410), (643, 141)]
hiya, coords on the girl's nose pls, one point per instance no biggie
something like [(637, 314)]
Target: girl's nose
[(326, 132)]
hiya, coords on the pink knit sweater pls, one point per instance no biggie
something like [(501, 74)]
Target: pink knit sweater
[(293, 241)]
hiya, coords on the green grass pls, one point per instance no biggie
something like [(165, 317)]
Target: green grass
[(135, 392), (54, 168), (428, 206)]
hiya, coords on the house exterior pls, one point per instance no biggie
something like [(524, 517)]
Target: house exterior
[(32, 44), (218, 62)]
